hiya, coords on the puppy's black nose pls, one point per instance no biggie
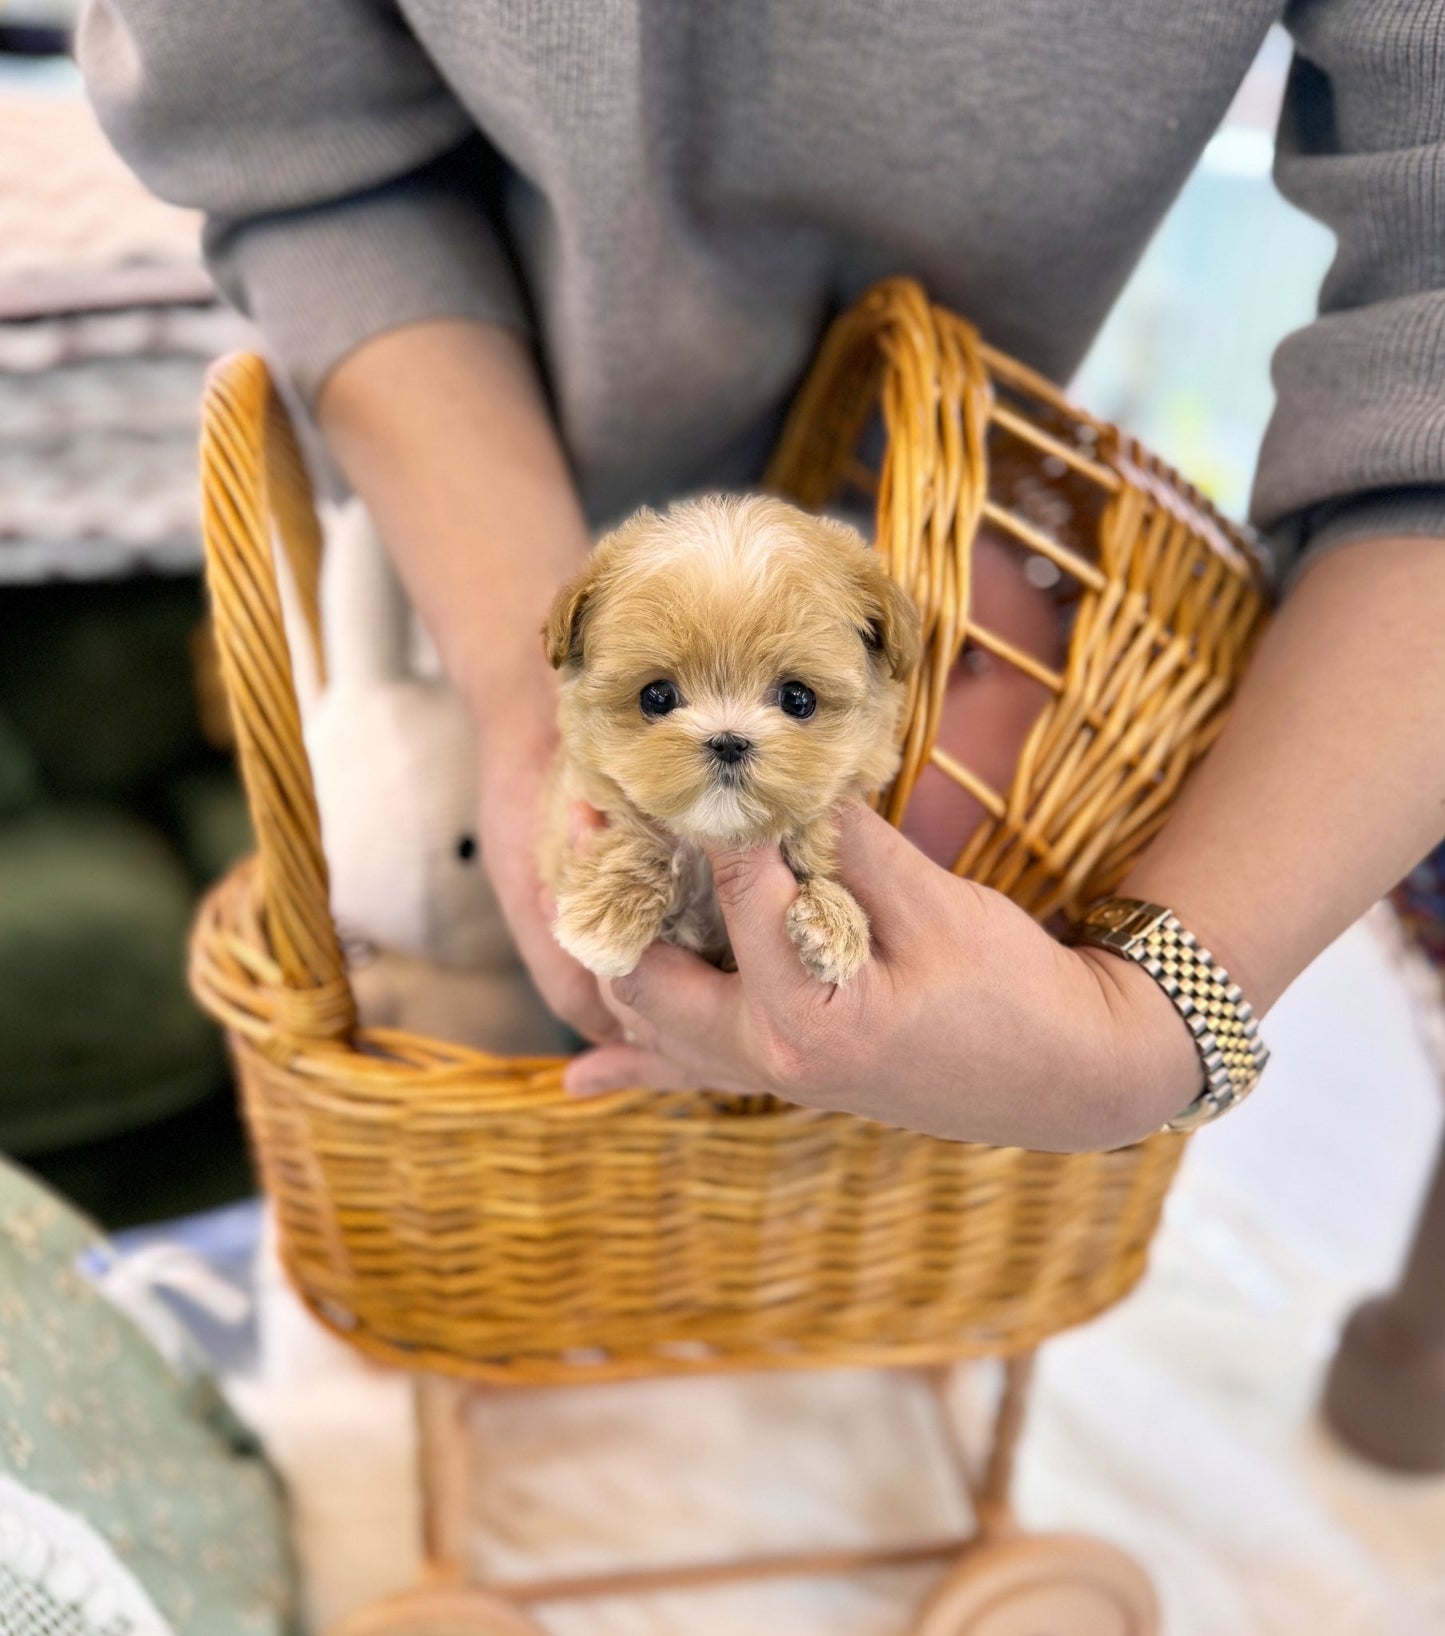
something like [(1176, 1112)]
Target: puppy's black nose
[(729, 748)]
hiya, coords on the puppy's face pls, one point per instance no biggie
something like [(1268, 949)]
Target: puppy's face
[(734, 667)]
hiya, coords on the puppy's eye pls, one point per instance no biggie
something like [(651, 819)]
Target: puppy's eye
[(658, 699), (796, 700)]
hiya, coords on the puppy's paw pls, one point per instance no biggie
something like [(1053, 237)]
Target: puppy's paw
[(829, 930), (606, 927)]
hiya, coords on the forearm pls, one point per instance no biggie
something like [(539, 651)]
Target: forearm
[(1328, 784), (443, 430)]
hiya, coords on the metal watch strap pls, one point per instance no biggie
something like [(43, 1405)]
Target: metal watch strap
[(1225, 1031)]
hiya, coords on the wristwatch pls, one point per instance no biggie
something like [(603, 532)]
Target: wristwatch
[(1226, 1033)]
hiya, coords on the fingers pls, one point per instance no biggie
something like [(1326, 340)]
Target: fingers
[(755, 889), (570, 991), (621, 1068), (508, 833), (679, 996), (886, 873), (672, 1002)]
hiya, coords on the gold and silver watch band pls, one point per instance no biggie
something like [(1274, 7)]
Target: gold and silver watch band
[(1225, 1031)]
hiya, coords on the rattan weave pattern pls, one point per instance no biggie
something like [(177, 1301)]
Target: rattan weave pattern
[(454, 1211)]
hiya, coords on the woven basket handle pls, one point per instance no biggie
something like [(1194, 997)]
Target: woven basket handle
[(252, 476), (924, 372)]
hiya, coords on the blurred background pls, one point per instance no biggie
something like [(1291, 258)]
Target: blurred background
[(117, 804)]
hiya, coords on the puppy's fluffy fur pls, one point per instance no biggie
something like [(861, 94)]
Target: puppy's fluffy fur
[(690, 649)]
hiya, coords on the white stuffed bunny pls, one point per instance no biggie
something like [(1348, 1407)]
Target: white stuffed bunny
[(394, 761)]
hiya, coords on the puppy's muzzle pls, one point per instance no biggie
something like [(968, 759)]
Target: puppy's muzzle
[(730, 750)]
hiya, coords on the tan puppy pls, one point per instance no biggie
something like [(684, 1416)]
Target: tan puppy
[(731, 670)]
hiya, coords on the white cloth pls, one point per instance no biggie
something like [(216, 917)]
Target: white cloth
[(58, 1577)]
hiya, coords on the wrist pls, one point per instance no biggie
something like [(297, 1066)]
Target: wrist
[(1227, 920), (515, 722), (1153, 1064)]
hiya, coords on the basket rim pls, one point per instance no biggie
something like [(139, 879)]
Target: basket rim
[(389, 1067)]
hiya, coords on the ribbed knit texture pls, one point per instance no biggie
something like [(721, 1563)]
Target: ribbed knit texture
[(675, 195)]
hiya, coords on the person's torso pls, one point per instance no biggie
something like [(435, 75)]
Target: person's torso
[(696, 185)]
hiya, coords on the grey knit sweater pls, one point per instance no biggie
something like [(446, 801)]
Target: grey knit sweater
[(673, 196)]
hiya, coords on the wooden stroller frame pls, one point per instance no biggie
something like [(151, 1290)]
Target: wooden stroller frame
[(1001, 1581)]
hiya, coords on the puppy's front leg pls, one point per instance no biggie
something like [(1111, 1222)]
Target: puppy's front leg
[(825, 921), (613, 898)]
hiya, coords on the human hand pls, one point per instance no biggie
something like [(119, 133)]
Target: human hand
[(968, 1021), (514, 764)]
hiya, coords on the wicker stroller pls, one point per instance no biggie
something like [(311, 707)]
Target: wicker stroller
[(456, 1215)]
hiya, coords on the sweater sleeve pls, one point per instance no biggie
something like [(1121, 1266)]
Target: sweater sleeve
[(341, 181), (1356, 446)]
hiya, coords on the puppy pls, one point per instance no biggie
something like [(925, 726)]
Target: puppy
[(731, 670)]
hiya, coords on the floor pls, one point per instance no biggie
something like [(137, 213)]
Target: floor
[(1181, 1426)]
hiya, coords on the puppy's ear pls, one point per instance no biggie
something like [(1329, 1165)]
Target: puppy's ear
[(893, 630), (562, 634)]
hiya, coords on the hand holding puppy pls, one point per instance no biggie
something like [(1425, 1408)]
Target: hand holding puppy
[(732, 672), (967, 1021)]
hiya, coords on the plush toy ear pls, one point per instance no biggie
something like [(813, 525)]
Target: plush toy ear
[(365, 617), (894, 629), (562, 634)]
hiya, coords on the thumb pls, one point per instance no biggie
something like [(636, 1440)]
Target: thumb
[(755, 890), (883, 870)]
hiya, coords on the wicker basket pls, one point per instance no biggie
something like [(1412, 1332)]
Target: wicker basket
[(456, 1212)]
